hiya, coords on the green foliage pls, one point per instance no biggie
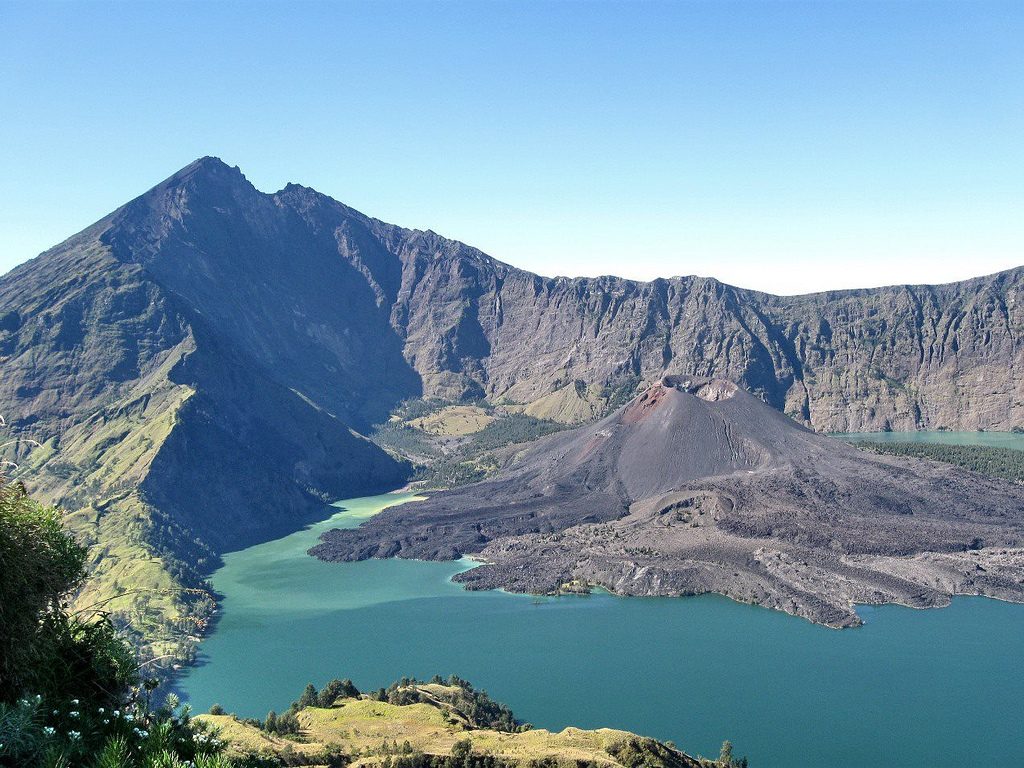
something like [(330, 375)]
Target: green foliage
[(76, 733), (725, 754), (453, 472), (473, 461), (88, 659), (415, 409), (45, 649), (511, 430), (65, 692), (281, 725), (334, 690), (621, 392), (309, 697), (1005, 463), (39, 565), (404, 441), (115, 754), (447, 462), (726, 759), (476, 706), (469, 760), (646, 753)]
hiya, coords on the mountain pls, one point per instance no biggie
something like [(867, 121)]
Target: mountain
[(177, 371), (201, 365), (696, 486)]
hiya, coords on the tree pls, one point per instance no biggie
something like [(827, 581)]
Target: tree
[(336, 689), (39, 564), (270, 724), (462, 748), (309, 697), (725, 755), (43, 648)]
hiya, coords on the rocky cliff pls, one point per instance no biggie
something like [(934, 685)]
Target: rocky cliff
[(905, 357)]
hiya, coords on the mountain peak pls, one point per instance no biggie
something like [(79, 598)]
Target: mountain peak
[(208, 167)]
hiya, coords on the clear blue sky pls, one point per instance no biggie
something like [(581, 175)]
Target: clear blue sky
[(784, 146)]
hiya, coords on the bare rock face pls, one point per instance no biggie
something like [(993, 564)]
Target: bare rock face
[(697, 486), (905, 357)]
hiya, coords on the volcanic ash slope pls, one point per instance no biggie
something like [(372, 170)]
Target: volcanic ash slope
[(697, 486)]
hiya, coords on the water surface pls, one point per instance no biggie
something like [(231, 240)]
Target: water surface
[(911, 688)]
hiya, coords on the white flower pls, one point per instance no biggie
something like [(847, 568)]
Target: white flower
[(129, 718), (39, 699), (73, 713), (116, 713), (56, 712), (49, 731), (101, 710), (74, 702), (106, 721), (74, 735)]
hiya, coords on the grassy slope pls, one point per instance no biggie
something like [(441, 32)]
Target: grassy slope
[(452, 445), (453, 420), (93, 473), (358, 727), (572, 404)]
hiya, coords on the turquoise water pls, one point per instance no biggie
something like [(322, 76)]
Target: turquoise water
[(911, 688), (991, 439)]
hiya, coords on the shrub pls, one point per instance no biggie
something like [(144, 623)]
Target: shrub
[(39, 565)]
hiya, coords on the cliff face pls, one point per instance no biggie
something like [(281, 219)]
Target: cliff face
[(907, 357), (371, 313)]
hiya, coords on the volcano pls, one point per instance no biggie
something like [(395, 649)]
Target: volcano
[(698, 486)]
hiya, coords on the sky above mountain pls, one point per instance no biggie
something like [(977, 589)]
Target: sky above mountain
[(787, 147)]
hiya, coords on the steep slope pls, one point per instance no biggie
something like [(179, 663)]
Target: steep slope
[(697, 486)]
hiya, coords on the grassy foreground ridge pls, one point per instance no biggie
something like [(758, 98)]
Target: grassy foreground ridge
[(436, 724)]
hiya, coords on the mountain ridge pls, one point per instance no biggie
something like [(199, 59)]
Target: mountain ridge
[(749, 336), (206, 330)]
